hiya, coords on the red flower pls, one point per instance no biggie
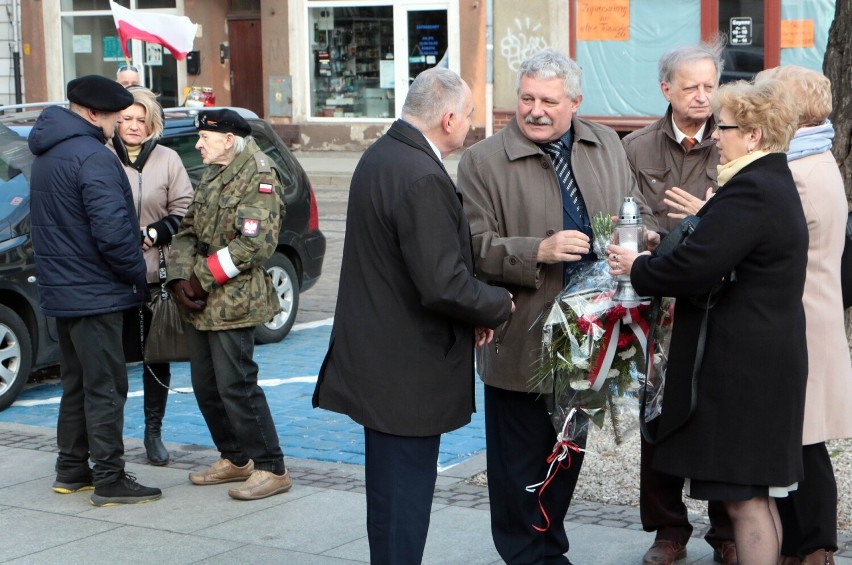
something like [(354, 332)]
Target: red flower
[(625, 339), (618, 311), (587, 324)]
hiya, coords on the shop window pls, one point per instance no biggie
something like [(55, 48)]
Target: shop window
[(619, 46), (804, 31), (352, 63), (69, 5)]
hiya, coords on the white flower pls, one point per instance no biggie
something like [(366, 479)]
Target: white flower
[(582, 364), (612, 373), (627, 354)]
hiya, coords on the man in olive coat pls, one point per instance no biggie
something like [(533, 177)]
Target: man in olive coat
[(409, 311), (530, 226)]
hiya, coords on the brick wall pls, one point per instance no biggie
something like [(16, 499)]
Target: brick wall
[(501, 118)]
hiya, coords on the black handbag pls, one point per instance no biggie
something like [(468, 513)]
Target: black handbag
[(167, 338)]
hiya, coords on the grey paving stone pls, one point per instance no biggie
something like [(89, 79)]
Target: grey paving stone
[(21, 539), (295, 525), (134, 545)]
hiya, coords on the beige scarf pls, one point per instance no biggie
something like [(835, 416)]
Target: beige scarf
[(726, 171)]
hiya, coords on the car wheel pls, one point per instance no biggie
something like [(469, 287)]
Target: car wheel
[(15, 356), (286, 284)]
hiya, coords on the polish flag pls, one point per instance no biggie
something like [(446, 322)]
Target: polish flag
[(175, 33)]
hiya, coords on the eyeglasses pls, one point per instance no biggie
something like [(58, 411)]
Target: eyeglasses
[(123, 68), (724, 127)]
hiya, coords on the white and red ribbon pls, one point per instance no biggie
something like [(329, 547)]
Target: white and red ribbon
[(637, 325)]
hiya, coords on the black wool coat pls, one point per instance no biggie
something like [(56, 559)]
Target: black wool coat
[(400, 358), (747, 428)]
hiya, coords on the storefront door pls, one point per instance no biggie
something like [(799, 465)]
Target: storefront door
[(743, 23), (425, 40)]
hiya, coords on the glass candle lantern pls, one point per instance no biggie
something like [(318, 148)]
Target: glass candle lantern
[(629, 233)]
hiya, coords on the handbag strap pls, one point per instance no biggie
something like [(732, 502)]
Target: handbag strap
[(164, 294), (696, 368)]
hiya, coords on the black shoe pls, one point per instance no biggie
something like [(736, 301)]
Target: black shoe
[(70, 485), (157, 453), (124, 491)]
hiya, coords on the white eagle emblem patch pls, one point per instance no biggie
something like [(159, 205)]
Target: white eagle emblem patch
[(250, 227)]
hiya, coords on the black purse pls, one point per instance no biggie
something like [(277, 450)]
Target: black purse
[(167, 338)]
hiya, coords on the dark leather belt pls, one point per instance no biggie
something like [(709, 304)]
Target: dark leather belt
[(205, 249)]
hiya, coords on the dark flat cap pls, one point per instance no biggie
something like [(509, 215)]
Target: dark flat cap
[(223, 121), (98, 93)]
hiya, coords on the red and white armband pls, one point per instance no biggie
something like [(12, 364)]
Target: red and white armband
[(222, 266)]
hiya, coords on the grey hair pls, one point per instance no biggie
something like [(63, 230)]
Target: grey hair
[(239, 145), (676, 58), (433, 93), (548, 64)]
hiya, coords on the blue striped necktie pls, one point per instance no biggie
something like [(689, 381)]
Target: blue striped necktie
[(565, 176)]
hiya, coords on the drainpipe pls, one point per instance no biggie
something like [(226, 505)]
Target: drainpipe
[(489, 68), (16, 50)]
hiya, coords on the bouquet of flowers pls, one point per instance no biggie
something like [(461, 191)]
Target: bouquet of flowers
[(594, 356)]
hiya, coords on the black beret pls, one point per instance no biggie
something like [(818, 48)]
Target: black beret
[(98, 93), (223, 121)]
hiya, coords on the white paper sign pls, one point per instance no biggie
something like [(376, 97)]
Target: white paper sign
[(153, 55), (82, 44)]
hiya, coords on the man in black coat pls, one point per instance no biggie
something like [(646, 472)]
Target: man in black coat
[(409, 313), (90, 268)]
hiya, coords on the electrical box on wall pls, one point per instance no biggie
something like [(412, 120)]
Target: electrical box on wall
[(193, 63), (281, 96)]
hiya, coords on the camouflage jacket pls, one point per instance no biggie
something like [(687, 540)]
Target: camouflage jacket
[(228, 233)]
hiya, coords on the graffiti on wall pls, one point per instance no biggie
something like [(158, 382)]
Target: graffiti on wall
[(525, 40)]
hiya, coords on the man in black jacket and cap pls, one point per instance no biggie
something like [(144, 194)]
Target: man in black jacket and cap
[(90, 269)]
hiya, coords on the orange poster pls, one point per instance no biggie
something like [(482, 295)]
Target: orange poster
[(603, 20), (797, 33)]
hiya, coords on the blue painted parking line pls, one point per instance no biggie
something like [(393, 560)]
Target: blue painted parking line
[(288, 373)]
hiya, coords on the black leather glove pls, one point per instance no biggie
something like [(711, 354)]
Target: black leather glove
[(197, 289), (182, 291)]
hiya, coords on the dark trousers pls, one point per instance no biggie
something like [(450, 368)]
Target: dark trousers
[(94, 390), (224, 378), (400, 478), (809, 514), (661, 506), (519, 437)]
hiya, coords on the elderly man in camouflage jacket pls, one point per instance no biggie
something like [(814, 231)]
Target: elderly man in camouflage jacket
[(216, 273)]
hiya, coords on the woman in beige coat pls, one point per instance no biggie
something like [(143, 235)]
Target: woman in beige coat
[(162, 192), (809, 515)]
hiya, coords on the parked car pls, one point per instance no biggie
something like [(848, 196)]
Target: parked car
[(28, 339)]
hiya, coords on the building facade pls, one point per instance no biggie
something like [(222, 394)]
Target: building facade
[(332, 74)]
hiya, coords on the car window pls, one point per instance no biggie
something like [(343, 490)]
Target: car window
[(184, 145), (15, 156)]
